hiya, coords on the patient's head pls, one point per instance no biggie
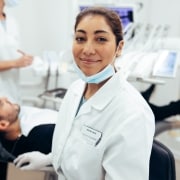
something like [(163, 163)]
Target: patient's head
[(8, 112)]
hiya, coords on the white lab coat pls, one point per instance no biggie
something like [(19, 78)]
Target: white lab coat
[(117, 113), (9, 43)]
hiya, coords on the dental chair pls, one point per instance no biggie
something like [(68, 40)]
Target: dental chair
[(168, 133), (162, 163)]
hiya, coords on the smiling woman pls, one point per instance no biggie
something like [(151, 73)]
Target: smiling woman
[(106, 110), (96, 45), (107, 117)]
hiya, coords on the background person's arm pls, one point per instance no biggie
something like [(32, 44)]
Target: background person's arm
[(23, 61)]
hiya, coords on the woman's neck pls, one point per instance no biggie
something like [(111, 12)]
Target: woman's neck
[(91, 89)]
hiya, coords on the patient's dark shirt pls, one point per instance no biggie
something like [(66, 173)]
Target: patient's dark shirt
[(39, 139)]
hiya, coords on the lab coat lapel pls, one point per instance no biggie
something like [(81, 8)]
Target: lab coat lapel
[(74, 99), (101, 98), (71, 101)]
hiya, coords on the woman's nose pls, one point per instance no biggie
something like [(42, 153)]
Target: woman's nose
[(89, 49)]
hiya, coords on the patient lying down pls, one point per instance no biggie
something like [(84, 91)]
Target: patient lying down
[(24, 129)]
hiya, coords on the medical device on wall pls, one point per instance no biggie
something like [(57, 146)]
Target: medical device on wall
[(166, 65), (127, 12)]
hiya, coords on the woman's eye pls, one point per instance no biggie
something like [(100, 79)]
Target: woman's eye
[(80, 39), (101, 39)]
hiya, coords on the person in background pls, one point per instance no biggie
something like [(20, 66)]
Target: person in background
[(11, 57), (24, 129), (106, 128), (19, 127)]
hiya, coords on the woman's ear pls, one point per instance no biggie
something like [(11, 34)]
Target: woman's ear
[(119, 48), (3, 124)]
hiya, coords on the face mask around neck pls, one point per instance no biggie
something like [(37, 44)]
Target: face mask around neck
[(106, 73)]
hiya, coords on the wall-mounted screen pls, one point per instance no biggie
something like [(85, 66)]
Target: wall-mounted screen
[(126, 13)]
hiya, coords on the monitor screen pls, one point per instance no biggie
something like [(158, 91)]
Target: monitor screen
[(126, 13), (166, 64)]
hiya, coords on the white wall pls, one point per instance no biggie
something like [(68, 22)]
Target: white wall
[(44, 24), (48, 24), (166, 12)]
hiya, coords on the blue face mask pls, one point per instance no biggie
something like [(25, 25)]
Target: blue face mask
[(106, 73), (11, 3)]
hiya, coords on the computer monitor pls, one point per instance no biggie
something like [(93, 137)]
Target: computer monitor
[(126, 13), (166, 64)]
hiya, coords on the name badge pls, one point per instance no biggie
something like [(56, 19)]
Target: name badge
[(92, 136)]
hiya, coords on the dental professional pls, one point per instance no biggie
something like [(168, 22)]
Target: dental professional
[(11, 58), (105, 128)]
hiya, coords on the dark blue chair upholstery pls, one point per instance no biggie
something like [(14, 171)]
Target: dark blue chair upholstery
[(162, 163)]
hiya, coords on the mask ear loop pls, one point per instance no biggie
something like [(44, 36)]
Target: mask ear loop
[(115, 56), (118, 53)]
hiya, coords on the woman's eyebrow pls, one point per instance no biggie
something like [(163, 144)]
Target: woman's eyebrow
[(81, 31), (96, 32), (100, 31)]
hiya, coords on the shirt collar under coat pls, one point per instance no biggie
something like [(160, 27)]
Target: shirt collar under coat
[(102, 97)]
